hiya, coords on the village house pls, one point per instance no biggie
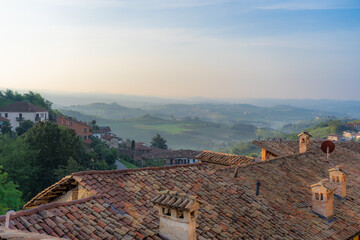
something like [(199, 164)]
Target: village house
[(103, 130), (172, 157), (298, 196), (111, 141), (82, 129), (20, 111), (336, 138)]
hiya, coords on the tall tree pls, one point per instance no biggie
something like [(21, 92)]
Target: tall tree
[(24, 126), (9, 195), (159, 142), (5, 127), (55, 145)]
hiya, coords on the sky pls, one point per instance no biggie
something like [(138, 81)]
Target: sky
[(183, 48)]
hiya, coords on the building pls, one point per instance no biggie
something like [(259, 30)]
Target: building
[(20, 111), (298, 196), (221, 160), (103, 130), (111, 141), (336, 138), (82, 129), (172, 157)]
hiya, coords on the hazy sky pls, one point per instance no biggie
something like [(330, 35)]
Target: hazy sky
[(209, 48)]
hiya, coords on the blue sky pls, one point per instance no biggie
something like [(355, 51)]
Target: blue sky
[(212, 48)]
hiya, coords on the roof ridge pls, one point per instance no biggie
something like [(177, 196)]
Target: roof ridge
[(49, 206), (228, 154), (134, 170)]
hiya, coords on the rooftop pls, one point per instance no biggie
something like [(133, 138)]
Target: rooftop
[(224, 158), (122, 202), (22, 107)]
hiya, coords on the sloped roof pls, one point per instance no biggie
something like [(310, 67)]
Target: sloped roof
[(2, 119), (108, 137), (22, 107), (11, 234), (229, 209), (224, 158)]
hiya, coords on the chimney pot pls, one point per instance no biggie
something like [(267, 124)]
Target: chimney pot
[(178, 213)]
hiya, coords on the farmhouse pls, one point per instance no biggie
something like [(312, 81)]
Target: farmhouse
[(82, 129), (20, 111)]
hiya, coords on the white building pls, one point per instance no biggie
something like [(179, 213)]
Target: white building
[(20, 111)]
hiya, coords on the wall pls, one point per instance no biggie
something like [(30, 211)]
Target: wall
[(26, 116)]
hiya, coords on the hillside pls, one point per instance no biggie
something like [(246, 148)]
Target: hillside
[(229, 114), (187, 133)]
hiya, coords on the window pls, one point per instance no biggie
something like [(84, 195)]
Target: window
[(321, 196), (85, 130), (85, 137), (6, 115), (317, 196), (337, 179), (192, 214), (179, 214)]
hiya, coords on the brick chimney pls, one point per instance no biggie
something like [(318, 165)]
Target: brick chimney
[(338, 178), (323, 198), (304, 142), (178, 213)]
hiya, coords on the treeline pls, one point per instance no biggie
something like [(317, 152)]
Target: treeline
[(37, 155)]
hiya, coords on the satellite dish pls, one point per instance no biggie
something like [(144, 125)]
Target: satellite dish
[(327, 146)]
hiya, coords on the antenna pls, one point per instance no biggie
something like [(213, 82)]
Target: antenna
[(327, 147)]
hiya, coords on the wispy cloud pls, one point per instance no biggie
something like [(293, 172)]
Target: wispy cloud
[(142, 4), (312, 5)]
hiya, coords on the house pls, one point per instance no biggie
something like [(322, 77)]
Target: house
[(349, 135), (220, 160), (111, 141), (103, 130), (336, 138), (355, 125), (20, 111), (299, 196), (82, 129), (172, 157)]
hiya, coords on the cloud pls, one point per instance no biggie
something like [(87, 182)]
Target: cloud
[(138, 4), (312, 5)]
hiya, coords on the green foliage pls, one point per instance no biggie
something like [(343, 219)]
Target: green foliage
[(6, 127), (18, 161), (24, 127), (10, 197), (244, 149), (324, 129), (158, 142), (71, 166), (133, 145), (104, 158), (31, 97), (55, 146)]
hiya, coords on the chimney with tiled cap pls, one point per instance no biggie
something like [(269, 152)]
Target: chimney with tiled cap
[(178, 213), (304, 142), (323, 198), (338, 178)]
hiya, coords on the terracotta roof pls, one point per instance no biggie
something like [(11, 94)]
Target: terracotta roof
[(22, 107), (11, 234), (103, 129), (107, 137), (224, 158), (172, 199), (229, 210), (170, 154), (2, 119)]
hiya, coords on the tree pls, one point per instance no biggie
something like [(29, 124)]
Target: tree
[(93, 124), (158, 142), (10, 197), (71, 167), (24, 126), (133, 145), (55, 145), (18, 161), (6, 127)]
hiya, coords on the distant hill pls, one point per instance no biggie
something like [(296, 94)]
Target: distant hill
[(188, 133), (107, 111), (230, 114)]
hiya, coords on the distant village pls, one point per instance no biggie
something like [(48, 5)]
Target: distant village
[(140, 152)]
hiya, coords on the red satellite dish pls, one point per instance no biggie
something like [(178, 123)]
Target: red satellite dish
[(327, 146)]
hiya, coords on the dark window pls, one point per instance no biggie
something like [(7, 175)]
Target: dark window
[(337, 179), (6, 115), (321, 196), (192, 214), (85, 137)]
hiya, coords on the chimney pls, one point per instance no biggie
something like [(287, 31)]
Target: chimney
[(178, 213), (304, 142), (338, 178), (323, 198)]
